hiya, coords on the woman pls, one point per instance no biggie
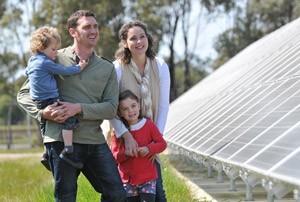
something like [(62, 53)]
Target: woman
[(148, 77)]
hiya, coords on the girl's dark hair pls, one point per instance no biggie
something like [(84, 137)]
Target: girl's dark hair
[(123, 53), (124, 95), (73, 19), (128, 94)]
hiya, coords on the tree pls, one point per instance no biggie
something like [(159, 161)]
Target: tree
[(185, 19), (9, 65), (171, 21), (260, 18), (10, 62), (2, 7)]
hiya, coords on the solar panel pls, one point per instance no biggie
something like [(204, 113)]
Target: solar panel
[(284, 142), (289, 169), (247, 113), (266, 112)]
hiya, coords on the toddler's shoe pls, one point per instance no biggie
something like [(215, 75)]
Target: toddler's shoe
[(70, 159), (45, 161)]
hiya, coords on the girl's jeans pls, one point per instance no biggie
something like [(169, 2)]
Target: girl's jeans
[(160, 192)]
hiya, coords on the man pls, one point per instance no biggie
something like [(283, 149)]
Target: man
[(91, 95)]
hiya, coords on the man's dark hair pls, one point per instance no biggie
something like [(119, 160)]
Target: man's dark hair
[(73, 19)]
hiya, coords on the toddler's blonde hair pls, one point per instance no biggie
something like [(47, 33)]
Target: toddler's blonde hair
[(42, 37)]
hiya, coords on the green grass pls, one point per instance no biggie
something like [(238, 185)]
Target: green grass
[(26, 180), (175, 187)]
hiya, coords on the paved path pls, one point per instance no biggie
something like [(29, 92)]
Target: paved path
[(5, 156)]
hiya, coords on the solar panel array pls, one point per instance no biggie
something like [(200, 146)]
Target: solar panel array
[(246, 114)]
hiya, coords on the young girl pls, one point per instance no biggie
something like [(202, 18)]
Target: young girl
[(138, 174)]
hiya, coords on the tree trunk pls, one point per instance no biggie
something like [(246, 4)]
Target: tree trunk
[(9, 130), (173, 88)]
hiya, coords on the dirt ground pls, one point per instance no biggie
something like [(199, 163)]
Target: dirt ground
[(18, 155)]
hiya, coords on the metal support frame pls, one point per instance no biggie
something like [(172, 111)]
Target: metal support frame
[(209, 171), (249, 193), (297, 195), (220, 178), (232, 185)]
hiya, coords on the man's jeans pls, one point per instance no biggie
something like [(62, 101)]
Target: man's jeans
[(160, 192), (99, 168)]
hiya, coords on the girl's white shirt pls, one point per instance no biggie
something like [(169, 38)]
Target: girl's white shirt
[(164, 97), (138, 125)]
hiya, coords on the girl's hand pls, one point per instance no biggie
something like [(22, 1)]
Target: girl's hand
[(143, 151), (152, 158)]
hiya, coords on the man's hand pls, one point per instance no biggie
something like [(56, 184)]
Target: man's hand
[(130, 145), (61, 111), (48, 112), (71, 109)]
